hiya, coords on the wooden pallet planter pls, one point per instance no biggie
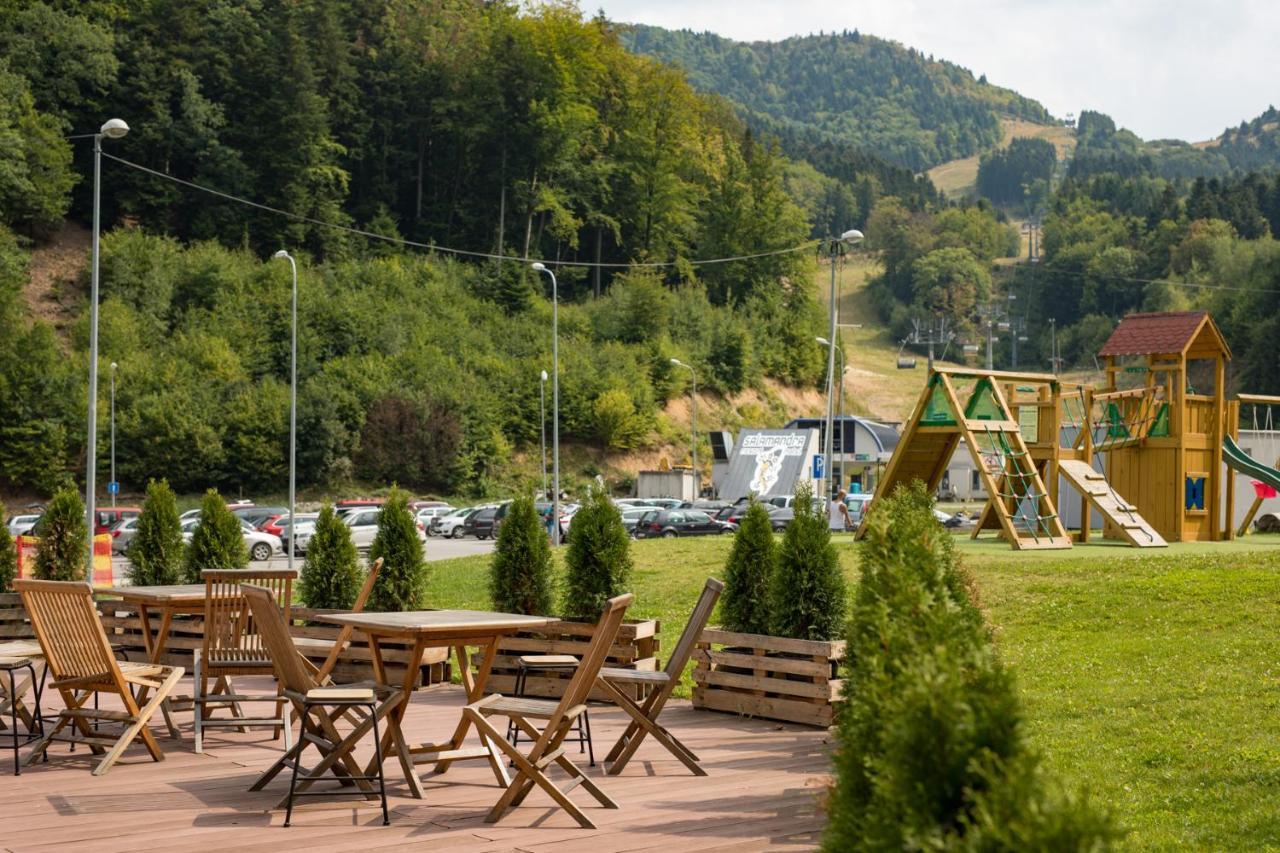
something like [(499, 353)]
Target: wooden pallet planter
[(772, 677), (14, 624), (637, 647)]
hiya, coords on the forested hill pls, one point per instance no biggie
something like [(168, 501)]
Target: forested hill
[(892, 100)]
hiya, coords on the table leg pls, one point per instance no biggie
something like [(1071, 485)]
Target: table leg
[(155, 652), (393, 735)]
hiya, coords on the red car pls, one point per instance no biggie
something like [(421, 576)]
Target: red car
[(108, 517), (272, 525)]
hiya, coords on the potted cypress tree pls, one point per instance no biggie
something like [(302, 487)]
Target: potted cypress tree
[(218, 541), (64, 539), (520, 570), (330, 577), (402, 583), (155, 554), (789, 609), (597, 567), (8, 560)]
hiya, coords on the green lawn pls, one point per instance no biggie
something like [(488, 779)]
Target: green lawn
[(1150, 678)]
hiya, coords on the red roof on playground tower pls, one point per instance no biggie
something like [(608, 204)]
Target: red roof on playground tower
[(1158, 333)]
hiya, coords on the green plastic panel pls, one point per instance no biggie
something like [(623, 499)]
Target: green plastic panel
[(938, 411), (982, 405)]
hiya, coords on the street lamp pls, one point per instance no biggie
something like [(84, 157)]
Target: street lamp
[(830, 444), (693, 452), (113, 129), (114, 487), (542, 423), (293, 402), (834, 248), (555, 405)]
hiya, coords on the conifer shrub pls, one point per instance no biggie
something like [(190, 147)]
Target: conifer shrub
[(330, 578), (520, 570), (930, 752), (62, 554), (807, 590), (598, 559), (744, 605), (8, 560), (155, 554), (402, 583), (218, 541)]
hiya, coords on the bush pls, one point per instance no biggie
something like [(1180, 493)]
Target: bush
[(155, 554), (807, 591), (8, 560), (520, 571), (402, 583), (64, 539), (330, 577), (598, 560), (218, 541), (744, 607), (930, 746)]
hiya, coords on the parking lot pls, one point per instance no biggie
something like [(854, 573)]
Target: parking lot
[(437, 549)]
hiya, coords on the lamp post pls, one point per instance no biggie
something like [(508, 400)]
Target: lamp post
[(555, 405), (835, 247), (542, 422), (293, 401), (830, 445), (693, 447), (114, 488), (1053, 345), (112, 129)]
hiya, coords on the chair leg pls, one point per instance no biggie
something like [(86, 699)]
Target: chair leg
[(584, 730), (293, 776), (13, 710), (377, 757), (198, 699)]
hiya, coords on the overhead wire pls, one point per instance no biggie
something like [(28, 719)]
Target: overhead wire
[(433, 247)]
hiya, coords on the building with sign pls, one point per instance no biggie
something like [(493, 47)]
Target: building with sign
[(861, 448), (768, 462)]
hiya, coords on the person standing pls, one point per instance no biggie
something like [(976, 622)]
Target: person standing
[(838, 518)]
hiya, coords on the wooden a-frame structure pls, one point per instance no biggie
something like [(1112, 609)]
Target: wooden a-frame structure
[(1019, 500)]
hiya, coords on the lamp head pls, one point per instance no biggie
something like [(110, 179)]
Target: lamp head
[(544, 376), (280, 255), (853, 235), (677, 362), (113, 365), (539, 267), (823, 341), (114, 128)]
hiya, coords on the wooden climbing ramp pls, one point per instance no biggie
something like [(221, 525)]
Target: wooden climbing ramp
[(984, 422), (1114, 508)]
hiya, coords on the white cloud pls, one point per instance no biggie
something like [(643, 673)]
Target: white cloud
[(1177, 68)]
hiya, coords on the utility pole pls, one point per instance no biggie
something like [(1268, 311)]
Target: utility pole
[(936, 334), (995, 319), (1053, 345)]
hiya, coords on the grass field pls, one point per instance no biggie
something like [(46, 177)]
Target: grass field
[(1150, 679), (957, 178)]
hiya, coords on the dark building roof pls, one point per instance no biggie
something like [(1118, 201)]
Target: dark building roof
[(1153, 334), (884, 436)]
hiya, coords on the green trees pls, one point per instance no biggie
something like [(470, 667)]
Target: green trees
[(218, 541), (330, 576), (931, 752), (8, 559), (744, 605), (64, 539), (520, 570), (807, 591), (1011, 175), (598, 559), (155, 554), (401, 585)]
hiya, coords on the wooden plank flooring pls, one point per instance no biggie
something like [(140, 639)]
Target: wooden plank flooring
[(764, 792)]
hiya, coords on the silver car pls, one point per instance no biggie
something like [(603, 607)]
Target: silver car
[(122, 534), (262, 546)]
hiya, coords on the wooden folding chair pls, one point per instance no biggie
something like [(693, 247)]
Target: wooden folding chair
[(336, 647), (559, 717), (312, 702), (644, 717), (81, 663), (232, 646)]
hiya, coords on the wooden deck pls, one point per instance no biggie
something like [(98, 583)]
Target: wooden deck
[(764, 791)]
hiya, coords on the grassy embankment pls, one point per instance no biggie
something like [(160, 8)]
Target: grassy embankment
[(1149, 678)]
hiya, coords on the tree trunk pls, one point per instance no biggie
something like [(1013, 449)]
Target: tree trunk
[(599, 246), (528, 220), (502, 209)]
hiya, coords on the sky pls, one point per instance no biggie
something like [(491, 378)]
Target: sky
[(1172, 69)]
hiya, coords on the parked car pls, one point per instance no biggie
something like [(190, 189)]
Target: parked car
[(417, 505), (262, 546), (779, 516), (306, 524), (631, 515), (645, 502), (20, 525), (479, 524), (669, 523), (364, 526), (665, 503), (450, 524), (257, 516), (122, 534), (108, 517), (858, 503), (708, 506), (429, 513)]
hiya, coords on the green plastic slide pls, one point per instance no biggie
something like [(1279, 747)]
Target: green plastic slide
[(1246, 464)]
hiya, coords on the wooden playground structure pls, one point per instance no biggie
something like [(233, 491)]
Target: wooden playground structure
[(1153, 451)]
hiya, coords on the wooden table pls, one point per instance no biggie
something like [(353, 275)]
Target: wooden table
[(432, 629), (166, 601)]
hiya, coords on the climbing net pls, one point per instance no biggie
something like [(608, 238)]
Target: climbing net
[(1119, 418), (1014, 474)]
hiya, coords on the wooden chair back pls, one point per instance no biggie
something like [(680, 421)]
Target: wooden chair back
[(584, 677), (66, 624), (277, 642), (344, 636), (232, 643), (693, 629)]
